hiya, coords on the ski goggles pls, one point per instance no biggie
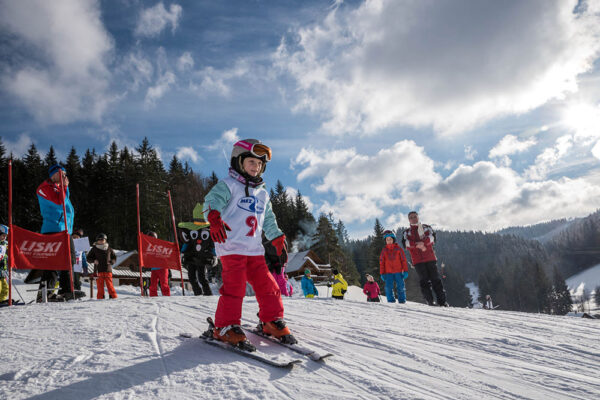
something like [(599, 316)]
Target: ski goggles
[(258, 150)]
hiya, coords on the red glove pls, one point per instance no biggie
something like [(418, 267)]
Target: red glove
[(218, 228), (279, 244)]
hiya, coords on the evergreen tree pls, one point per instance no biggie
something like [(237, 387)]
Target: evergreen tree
[(561, 302), (375, 248), (50, 158), (3, 184), (597, 296)]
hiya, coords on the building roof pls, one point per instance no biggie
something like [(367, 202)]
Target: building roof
[(297, 261)]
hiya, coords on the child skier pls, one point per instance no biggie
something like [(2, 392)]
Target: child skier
[(340, 286), (240, 209), (103, 258), (393, 268), (3, 263), (371, 289), (159, 274), (308, 286)]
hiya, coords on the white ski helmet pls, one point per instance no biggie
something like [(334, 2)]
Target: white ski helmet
[(249, 148)]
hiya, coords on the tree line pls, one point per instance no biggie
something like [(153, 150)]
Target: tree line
[(513, 270)]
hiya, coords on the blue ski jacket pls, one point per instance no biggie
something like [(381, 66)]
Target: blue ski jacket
[(308, 286)]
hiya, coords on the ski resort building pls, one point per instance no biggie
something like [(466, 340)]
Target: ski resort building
[(298, 262)]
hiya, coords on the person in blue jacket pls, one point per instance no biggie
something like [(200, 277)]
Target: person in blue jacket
[(308, 286), (50, 198)]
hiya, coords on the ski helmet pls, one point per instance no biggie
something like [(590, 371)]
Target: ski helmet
[(101, 236), (3, 230), (249, 148), (389, 233)]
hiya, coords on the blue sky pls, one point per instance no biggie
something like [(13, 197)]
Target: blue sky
[(478, 114)]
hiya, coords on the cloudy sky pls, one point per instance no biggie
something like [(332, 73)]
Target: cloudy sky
[(478, 114)]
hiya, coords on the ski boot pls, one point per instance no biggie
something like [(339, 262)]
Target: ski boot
[(231, 334), (278, 330)]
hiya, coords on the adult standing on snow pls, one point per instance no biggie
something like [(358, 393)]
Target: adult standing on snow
[(50, 197), (340, 286), (488, 305), (393, 268), (419, 239), (371, 289), (103, 258), (308, 286)]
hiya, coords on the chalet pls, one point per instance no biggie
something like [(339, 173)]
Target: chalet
[(298, 262)]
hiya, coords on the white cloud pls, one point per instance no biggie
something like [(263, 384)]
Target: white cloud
[(139, 70), (448, 65), (218, 81), (188, 153), (470, 152), (19, 146), (155, 19), (482, 196), (185, 62), (66, 80), (227, 139), (509, 145), (162, 86), (549, 158)]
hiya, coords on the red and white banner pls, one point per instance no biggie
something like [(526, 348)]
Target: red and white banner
[(157, 253), (33, 250)]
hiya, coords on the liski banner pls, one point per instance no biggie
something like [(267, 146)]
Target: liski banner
[(159, 253), (36, 251)]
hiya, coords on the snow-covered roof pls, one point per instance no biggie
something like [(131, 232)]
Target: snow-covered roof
[(297, 260)]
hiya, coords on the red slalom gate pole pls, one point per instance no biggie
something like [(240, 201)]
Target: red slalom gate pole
[(139, 236), (176, 242), (11, 259), (64, 195)]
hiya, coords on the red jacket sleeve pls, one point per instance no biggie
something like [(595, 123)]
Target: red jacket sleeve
[(403, 261)]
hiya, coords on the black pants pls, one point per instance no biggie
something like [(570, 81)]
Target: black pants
[(428, 279), (338, 297), (197, 277), (64, 280), (373, 299)]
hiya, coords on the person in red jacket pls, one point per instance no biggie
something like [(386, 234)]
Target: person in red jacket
[(371, 289), (393, 268), (419, 239)]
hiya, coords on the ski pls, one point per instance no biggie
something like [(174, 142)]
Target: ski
[(253, 355), (313, 354)]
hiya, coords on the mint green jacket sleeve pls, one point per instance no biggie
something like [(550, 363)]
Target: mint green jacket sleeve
[(270, 225), (217, 198)]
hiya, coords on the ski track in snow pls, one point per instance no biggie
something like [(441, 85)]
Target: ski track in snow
[(129, 348)]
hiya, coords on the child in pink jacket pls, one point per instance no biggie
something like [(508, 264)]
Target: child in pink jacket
[(371, 289)]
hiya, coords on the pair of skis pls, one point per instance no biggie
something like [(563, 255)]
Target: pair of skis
[(311, 353)]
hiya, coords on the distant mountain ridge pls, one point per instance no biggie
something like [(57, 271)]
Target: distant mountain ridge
[(541, 232)]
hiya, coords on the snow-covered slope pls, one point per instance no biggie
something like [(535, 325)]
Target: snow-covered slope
[(588, 280), (129, 348)]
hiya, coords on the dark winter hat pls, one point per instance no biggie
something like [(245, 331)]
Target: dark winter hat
[(54, 169), (387, 234), (101, 236), (335, 271), (307, 271)]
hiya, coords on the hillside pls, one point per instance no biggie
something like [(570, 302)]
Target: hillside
[(130, 348)]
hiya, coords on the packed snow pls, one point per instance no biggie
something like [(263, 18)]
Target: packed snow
[(130, 348)]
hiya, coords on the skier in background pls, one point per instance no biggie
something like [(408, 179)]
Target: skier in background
[(308, 286), (393, 268), (80, 266), (488, 305), (159, 274), (340, 286), (371, 289), (3, 263), (419, 239), (240, 210), (103, 258)]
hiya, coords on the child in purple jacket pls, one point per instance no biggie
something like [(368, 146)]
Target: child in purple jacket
[(371, 289)]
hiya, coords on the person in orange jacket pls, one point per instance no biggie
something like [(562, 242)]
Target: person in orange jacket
[(393, 268)]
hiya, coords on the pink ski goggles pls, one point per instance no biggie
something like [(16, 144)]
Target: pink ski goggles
[(258, 150)]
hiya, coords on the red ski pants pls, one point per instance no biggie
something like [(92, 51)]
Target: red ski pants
[(237, 270), (161, 275), (106, 278)]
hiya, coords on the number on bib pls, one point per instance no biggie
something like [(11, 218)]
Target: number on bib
[(253, 224)]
